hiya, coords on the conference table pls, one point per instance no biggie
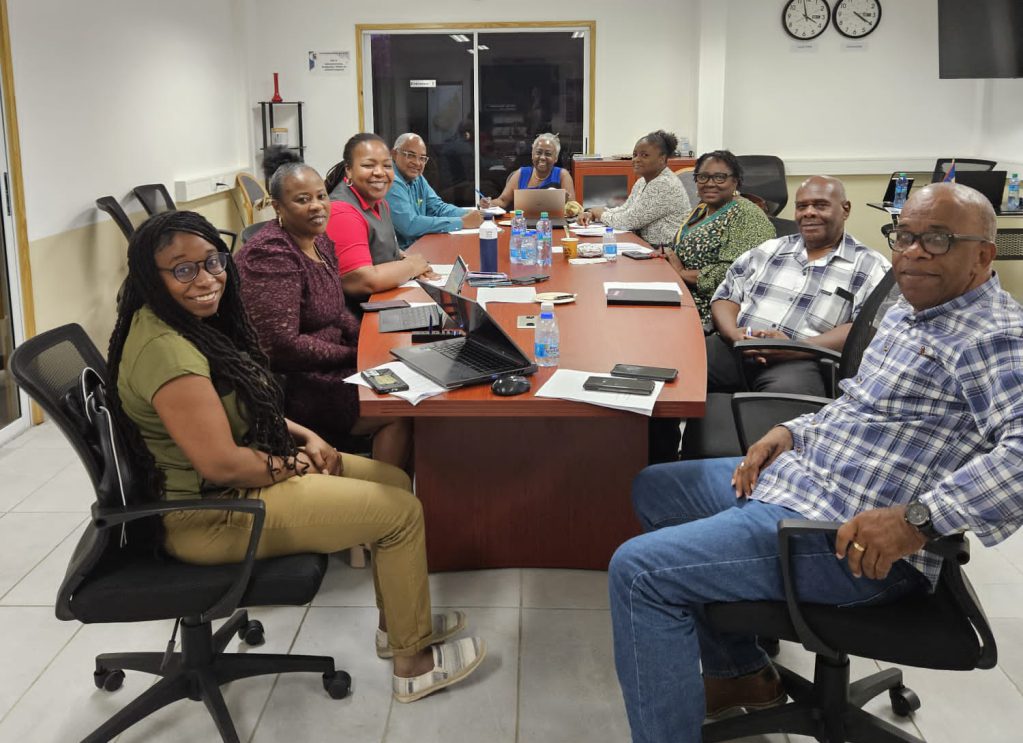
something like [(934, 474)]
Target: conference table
[(534, 482)]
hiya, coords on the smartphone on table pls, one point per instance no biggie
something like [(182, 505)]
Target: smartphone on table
[(384, 381), (636, 371), (385, 304), (620, 385), (637, 255)]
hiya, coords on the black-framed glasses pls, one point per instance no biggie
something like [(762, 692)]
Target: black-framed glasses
[(718, 178), (186, 271), (416, 156), (935, 243)]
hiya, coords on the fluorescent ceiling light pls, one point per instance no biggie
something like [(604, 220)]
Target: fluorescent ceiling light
[(578, 35), (484, 47), (461, 38)]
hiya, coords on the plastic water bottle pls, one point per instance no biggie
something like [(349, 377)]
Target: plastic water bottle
[(547, 340), (901, 186), (1013, 203), (488, 244), (610, 245), (528, 251), (544, 241), (518, 227)]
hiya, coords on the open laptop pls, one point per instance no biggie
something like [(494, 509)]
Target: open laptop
[(532, 201), (425, 316), (889, 192), (483, 354), (991, 183)]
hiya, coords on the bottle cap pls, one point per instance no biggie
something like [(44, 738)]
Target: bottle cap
[(518, 212), (488, 217), (547, 308), (543, 215), (610, 229)]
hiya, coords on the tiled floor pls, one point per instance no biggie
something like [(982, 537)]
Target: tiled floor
[(548, 677)]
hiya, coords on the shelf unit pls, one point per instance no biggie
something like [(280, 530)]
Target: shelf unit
[(267, 120)]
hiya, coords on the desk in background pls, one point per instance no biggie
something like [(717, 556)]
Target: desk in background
[(611, 180), (531, 482)]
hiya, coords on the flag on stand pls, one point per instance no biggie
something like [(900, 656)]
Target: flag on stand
[(950, 176)]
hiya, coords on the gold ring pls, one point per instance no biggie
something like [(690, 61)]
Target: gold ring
[(859, 546), (741, 465)]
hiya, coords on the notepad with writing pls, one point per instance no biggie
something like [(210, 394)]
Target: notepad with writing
[(665, 297)]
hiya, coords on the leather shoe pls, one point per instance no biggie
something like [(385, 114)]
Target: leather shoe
[(758, 690)]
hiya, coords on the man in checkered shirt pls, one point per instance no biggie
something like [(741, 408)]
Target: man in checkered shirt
[(926, 440), (807, 287)]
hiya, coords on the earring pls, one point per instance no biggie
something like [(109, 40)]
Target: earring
[(280, 222)]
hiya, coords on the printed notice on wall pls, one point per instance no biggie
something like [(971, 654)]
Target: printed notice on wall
[(329, 63), (803, 47)]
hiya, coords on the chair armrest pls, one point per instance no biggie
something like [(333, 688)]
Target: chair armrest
[(778, 344), (105, 518), (786, 529), (232, 235)]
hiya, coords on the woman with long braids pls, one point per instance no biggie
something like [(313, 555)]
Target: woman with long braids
[(202, 415)]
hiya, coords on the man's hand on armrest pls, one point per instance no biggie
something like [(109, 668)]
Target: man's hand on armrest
[(872, 541)]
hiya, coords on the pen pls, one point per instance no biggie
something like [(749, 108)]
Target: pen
[(562, 296)]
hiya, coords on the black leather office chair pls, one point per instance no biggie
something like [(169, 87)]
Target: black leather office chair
[(251, 230), (945, 630), (784, 227), (156, 199), (1009, 244), (109, 580), (764, 176), (942, 165), (111, 206)]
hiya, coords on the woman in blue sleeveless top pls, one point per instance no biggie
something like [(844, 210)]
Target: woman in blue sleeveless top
[(543, 174)]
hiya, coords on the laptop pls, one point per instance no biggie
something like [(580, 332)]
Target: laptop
[(425, 316), (889, 192), (532, 201), (991, 183), (484, 353)]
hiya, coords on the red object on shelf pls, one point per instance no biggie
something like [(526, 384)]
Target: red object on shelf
[(277, 91)]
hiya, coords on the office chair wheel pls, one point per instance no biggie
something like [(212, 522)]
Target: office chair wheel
[(904, 700), (337, 684), (252, 633), (108, 680)]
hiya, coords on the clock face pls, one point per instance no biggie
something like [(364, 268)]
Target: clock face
[(805, 19), (857, 18)]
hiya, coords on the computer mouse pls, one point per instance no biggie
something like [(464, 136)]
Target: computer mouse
[(513, 384)]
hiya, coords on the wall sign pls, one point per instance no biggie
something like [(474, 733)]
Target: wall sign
[(329, 63)]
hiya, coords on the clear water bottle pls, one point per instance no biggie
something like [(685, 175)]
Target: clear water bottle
[(528, 251), (488, 244), (518, 226), (544, 241), (1013, 203), (610, 245), (901, 187), (547, 339)]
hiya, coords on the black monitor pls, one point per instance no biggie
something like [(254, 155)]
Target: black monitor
[(980, 38)]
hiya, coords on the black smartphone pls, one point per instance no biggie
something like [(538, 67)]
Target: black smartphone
[(635, 371), (534, 279), (637, 255), (384, 380), (385, 304), (619, 384)]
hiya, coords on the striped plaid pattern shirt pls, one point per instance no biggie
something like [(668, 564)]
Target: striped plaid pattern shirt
[(935, 414), (776, 288)]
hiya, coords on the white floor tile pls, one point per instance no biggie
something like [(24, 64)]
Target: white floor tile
[(30, 637), (1001, 599), (22, 473), (345, 586), (991, 565), (39, 586), (27, 538), (70, 490), (564, 589), (44, 436), (1009, 641), (493, 588)]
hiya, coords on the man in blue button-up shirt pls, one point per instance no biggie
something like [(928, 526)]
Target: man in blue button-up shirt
[(416, 209), (926, 440)]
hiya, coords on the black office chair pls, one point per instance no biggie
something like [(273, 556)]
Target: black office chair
[(156, 199), (110, 205), (1009, 244), (942, 165), (110, 580), (251, 230), (687, 178), (764, 176), (945, 630), (715, 434), (783, 227)]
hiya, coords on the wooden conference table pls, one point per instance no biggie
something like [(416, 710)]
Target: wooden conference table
[(532, 482)]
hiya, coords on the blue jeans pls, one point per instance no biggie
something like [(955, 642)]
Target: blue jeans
[(702, 546)]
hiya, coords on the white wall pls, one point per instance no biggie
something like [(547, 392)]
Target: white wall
[(645, 76), (1003, 124), (116, 93)]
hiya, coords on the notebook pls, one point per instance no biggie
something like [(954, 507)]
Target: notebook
[(427, 316), (483, 354), (889, 192), (659, 297), (991, 183), (532, 201)]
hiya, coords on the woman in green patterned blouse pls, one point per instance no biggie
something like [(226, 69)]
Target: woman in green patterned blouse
[(720, 229)]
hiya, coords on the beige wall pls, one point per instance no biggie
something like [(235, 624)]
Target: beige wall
[(76, 274)]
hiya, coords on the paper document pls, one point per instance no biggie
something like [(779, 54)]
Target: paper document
[(495, 210), (586, 261), (466, 231), (593, 230), (567, 384), (443, 269), (419, 387), (641, 285), (515, 294)]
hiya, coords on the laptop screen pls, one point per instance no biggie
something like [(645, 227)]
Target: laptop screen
[(991, 183), (457, 276), (472, 319)]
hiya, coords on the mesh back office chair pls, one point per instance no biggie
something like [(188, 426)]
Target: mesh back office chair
[(764, 176), (251, 230), (107, 581), (254, 196), (942, 165), (110, 205), (945, 630), (686, 178), (1009, 244), (784, 227), (156, 199)]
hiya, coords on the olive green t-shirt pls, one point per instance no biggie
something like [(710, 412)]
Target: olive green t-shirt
[(154, 354)]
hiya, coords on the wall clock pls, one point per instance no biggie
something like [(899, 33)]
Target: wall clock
[(805, 19), (857, 18)]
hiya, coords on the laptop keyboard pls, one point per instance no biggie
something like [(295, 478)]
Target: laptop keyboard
[(473, 356), (419, 315)]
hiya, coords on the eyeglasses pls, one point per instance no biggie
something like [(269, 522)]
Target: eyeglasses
[(935, 243), (544, 153), (414, 156), (186, 271), (718, 178)]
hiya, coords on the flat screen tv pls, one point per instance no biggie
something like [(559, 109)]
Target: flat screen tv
[(980, 38)]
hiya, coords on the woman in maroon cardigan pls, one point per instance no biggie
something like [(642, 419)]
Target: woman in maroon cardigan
[(292, 291)]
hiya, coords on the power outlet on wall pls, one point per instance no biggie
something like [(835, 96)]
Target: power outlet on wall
[(196, 188)]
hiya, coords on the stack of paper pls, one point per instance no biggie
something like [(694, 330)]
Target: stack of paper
[(593, 230), (567, 384), (516, 295), (419, 387)]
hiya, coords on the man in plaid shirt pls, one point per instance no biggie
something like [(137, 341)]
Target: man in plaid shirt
[(807, 287), (926, 440)]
